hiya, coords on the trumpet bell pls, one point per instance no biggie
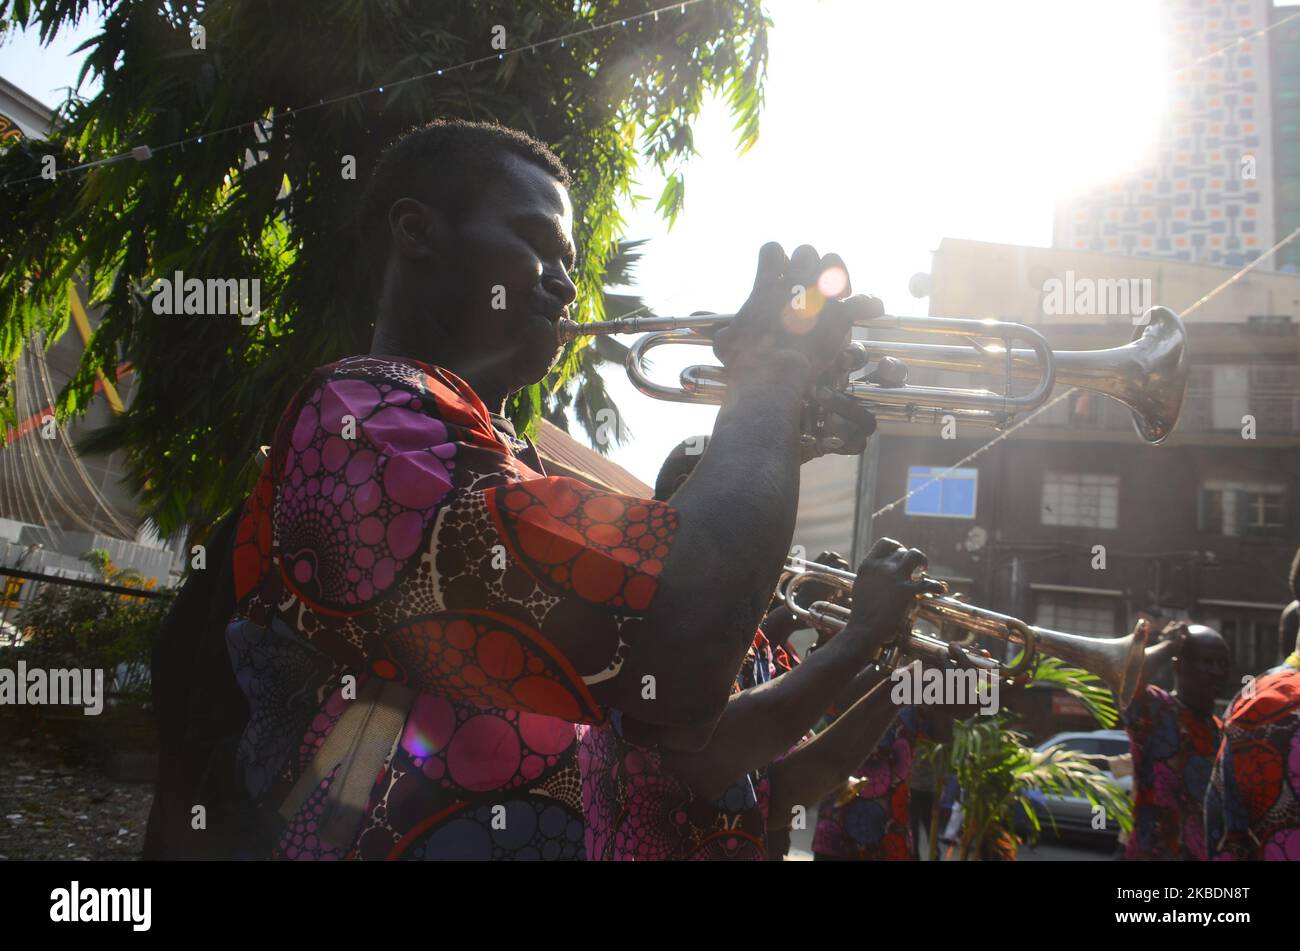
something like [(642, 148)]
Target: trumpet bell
[(1116, 660), (1148, 374)]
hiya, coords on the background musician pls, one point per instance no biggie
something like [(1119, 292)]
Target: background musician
[(1173, 738), (1252, 809)]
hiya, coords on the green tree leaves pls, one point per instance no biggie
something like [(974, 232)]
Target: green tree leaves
[(266, 199)]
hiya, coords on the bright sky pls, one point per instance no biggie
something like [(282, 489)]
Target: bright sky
[(888, 126), (46, 72)]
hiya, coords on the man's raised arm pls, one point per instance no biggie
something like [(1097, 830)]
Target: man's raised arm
[(736, 512)]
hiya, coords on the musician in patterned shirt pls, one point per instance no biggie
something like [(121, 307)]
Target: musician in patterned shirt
[(422, 615), (1174, 738), (1252, 810)]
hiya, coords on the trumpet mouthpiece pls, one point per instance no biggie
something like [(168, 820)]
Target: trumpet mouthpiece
[(567, 330)]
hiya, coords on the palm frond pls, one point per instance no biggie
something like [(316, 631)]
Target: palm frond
[(1086, 687)]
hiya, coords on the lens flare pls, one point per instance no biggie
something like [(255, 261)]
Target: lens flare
[(419, 742), (800, 315), (834, 282)]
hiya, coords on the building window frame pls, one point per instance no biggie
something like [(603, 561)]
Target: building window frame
[(1054, 487), (1256, 509)]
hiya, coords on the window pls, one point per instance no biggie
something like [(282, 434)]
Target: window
[(1252, 638), (1231, 395), (1243, 508), (1095, 746), (1085, 500), (1087, 745), (11, 593), (1269, 324), (1275, 396), (942, 493), (1085, 410), (1076, 614)]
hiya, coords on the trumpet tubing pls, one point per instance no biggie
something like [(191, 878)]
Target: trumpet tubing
[(1148, 374), (1117, 661)]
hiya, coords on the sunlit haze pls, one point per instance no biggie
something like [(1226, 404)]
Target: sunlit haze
[(888, 127)]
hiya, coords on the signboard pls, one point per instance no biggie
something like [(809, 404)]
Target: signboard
[(1065, 705)]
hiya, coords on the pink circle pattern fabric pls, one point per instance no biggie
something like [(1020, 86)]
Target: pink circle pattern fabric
[(353, 512), (636, 810), (369, 549)]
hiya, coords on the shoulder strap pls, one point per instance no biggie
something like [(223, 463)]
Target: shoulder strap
[(363, 740)]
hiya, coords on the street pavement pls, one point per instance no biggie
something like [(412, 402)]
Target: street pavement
[(1047, 850)]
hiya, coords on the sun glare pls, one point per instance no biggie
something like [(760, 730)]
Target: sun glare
[(890, 126)]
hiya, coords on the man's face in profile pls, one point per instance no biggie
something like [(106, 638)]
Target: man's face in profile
[(507, 271)]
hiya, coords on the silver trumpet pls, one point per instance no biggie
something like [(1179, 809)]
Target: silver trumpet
[(1117, 661), (1148, 374)]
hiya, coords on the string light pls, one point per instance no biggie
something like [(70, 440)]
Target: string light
[(148, 151)]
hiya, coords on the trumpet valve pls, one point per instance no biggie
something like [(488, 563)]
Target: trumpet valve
[(853, 358)]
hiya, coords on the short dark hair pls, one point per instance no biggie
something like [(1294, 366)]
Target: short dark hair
[(448, 164), (686, 455)]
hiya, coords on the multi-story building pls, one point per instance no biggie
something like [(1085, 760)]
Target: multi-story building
[(1204, 192), (1284, 78), (1074, 522)]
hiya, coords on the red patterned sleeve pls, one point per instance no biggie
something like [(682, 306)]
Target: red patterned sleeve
[(401, 535)]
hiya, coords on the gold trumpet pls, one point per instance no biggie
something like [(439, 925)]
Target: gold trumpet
[(1117, 661), (1148, 374)]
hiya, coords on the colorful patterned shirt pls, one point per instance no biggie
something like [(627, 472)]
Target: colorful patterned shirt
[(876, 824), (1252, 810), (637, 810), (394, 540), (1173, 752)]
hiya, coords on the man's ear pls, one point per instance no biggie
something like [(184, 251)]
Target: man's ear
[(417, 229)]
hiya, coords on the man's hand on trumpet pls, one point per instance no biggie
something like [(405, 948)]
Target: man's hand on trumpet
[(888, 582), (800, 315), (763, 722)]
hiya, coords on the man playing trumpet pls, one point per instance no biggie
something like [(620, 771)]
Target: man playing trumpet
[(1174, 737), (421, 613)]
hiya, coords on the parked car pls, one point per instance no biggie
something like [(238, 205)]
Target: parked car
[(1073, 815)]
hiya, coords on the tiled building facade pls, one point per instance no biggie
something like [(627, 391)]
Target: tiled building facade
[(1204, 194)]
